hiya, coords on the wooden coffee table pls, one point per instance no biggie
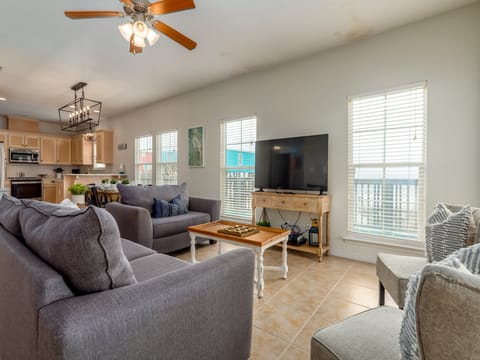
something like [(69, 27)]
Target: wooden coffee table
[(259, 242)]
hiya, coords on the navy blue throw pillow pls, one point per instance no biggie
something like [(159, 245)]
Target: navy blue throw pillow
[(182, 208), (162, 208)]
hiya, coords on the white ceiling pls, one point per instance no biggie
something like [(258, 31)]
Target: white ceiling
[(43, 53)]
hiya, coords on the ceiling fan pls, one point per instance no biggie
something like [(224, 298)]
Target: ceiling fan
[(138, 32)]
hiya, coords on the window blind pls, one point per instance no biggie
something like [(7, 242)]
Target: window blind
[(386, 163), (143, 160), (166, 172), (237, 167)]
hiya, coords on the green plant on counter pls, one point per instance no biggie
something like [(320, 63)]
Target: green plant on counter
[(78, 189), (113, 181), (125, 181), (105, 181)]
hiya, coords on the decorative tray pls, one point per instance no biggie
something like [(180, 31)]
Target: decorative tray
[(239, 230)]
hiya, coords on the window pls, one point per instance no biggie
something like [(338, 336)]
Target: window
[(386, 163), (166, 172), (143, 160), (237, 167)]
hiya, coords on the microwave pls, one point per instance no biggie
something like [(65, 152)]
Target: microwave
[(24, 156)]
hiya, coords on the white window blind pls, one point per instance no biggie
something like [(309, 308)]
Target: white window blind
[(166, 158), (237, 167), (143, 160), (386, 163)]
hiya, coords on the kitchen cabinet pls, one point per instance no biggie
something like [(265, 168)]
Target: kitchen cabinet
[(55, 150), (104, 146), (49, 192), (53, 191), (23, 140), (82, 151), (4, 139)]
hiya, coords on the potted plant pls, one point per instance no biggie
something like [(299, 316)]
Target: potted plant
[(78, 193), (125, 182)]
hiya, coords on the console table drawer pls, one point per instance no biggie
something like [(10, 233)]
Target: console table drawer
[(261, 201), (283, 203), (307, 205)]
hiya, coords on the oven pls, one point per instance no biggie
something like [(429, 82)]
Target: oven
[(26, 188)]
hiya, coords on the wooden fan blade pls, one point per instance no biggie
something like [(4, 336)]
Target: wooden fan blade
[(174, 35), (134, 49), (169, 6), (92, 14), (126, 2)]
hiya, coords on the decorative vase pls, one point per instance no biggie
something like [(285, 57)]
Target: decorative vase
[(78, 199)]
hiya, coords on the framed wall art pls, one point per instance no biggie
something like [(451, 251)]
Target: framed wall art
[(196, 146)]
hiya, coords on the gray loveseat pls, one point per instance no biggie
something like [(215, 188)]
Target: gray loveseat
[(171, 310), (163, 234)]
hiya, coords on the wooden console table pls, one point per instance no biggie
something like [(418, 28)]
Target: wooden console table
[(315, 204)]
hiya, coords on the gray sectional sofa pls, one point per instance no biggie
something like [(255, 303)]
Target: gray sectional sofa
[(163, 234), (70, 288)]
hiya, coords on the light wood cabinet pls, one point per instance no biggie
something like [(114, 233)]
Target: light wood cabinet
[(314, 204), (55, 151), (104, 146), (49, 193), (82, 151), (4, 139), (53, 192), (23, 140)]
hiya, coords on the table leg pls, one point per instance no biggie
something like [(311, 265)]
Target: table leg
[(260, 273), (284, 258), (219, 249), (192, 248)]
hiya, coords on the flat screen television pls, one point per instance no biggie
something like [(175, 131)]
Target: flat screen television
[(298, 163)]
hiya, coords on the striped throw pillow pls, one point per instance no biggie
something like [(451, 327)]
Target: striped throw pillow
[(446, 232)]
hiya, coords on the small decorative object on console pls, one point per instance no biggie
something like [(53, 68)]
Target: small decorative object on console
[(313, 233), (239, 230)]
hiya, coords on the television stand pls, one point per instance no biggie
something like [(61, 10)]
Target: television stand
[(314, 204)]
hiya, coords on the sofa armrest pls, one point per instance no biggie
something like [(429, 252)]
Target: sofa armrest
[(210, 206), (202, 311), (447, 308), (135, 223)]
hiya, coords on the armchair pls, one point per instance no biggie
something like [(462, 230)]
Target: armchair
[(447, 317)]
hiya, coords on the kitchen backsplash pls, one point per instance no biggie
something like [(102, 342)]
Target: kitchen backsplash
[(14, 170)]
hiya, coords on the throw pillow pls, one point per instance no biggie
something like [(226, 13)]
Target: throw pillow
[(161, 208), (10, 214), (143, 196), (83, 245), (466, 260), (446, 232)]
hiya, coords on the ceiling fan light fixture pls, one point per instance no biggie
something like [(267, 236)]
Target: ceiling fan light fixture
[(140, 29), (139, 42), (152, 37), (126, 30)]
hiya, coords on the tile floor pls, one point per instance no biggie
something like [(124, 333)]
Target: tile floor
[(315, 295)]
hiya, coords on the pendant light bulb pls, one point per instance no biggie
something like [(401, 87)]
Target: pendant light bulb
[(140, 29)]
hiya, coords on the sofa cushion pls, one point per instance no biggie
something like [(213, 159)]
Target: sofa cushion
[(151, 266), (10, 214), (134, 251), (372, 334), (447, 231), (178, 224), (83, 245), (143, 196)]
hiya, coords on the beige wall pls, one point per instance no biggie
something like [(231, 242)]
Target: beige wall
[(309, 96)]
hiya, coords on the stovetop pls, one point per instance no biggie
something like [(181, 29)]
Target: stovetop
[(25, 178)]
